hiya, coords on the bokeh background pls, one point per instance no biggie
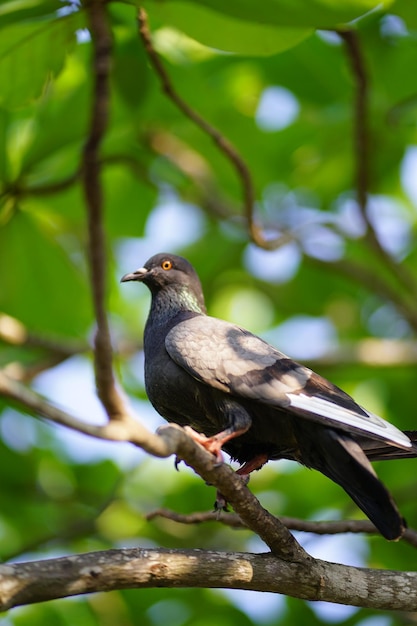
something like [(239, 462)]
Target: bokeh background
[(278, 82)]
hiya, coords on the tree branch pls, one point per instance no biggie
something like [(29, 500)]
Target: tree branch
[(196, 169), (14, 333), (25, 583), (372, 352), (365, 276), (232, 520), (224, 145), (362, 150), (127, 429), (171, 439), (102, 54)]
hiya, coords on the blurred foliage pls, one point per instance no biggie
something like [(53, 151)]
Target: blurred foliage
[(167, 186)]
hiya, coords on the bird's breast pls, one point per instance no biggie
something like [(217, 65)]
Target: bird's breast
[(178, 397)]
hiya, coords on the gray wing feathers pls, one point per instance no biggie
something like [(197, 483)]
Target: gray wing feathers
[(228, 357), (233, 360)]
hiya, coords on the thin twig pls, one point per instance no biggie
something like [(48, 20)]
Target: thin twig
[(128, 429), (228, 150), (361, 120), (196, 169), (200, 517), (14, 332), (292, 523), (362, 153), (17, 190), (102, 50), (25, 373), (51, 351), (365, 276)]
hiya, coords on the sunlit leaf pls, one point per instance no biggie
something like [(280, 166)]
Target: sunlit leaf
[(18, 11), (294, 13), (32, 53), (33, 265), (221, 31)]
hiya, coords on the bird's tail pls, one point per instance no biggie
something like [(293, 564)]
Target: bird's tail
[(342, 459), (380, 451)]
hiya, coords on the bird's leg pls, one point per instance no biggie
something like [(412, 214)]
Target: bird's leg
[(239, 422), (244, 472), (215, 443), (256, 463)]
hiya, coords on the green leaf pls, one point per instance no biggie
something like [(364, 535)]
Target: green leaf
[(130, 72), (228, 33), (3, 145), (32, 265), (293, 13), (32, 53), (60, 120), (129, 201), (407, 11), (18, 11)]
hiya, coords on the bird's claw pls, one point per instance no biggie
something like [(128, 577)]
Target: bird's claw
[(220, 504), (211, 444)]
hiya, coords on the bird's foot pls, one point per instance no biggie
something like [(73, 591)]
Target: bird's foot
[(221, 503), (211, 444), (215, 443), (243, 472), (256, 463)]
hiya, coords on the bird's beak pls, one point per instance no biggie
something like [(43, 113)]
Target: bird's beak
[(138, 274)]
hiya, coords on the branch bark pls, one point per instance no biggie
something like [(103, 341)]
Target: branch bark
[(127, 429), (26, 583), (91, 168), (362, 152), (331, 527), (172, 439)]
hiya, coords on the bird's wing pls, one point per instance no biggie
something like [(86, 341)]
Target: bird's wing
[(233, 360)]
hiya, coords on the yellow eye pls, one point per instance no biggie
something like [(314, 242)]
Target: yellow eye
[(166, 265)]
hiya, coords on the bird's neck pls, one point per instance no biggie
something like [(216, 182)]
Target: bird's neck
[(170, 301)]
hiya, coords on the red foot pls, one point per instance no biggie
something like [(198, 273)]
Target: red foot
[(244, 472), (254, 464), (211, 444)]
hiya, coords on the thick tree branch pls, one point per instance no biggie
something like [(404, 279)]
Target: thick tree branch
[(224, 145), (26, 583), (102, 51)]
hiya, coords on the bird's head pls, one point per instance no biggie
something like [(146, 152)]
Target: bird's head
[(170, 273)]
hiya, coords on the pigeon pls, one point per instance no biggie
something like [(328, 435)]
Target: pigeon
[(235, 392)]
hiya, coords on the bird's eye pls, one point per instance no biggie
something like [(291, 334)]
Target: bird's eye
[(166, 265)]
